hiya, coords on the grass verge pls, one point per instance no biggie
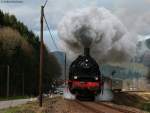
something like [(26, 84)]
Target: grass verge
[(33, 107), (132, 100)]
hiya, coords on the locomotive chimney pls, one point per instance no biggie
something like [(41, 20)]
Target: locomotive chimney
[(86, 51)]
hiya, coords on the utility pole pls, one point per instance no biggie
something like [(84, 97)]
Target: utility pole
[(112, 74), (8, 72), (65, 69), (41, 58)]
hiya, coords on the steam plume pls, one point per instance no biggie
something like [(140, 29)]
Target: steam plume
[(98, 29)]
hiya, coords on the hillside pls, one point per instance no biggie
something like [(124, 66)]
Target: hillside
[(19, 57)]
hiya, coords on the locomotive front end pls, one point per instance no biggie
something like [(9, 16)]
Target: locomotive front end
[(84, 76)]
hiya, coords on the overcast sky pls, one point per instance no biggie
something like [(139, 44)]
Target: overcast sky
[(135, 14)]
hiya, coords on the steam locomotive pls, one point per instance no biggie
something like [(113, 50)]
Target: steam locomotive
[(84, 76)]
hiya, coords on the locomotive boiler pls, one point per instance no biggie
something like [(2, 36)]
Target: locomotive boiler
[(84, 76)]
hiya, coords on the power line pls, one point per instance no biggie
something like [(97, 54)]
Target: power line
[(45, 3), (50, 32)]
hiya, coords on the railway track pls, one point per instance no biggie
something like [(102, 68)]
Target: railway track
[(116, 108), (98, 107)]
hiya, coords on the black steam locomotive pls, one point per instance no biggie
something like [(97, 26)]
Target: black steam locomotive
[(84, 76)]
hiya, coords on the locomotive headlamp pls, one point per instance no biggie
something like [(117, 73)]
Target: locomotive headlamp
[(75, 77), (96, 78)]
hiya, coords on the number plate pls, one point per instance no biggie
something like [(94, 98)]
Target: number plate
[(82, 82)]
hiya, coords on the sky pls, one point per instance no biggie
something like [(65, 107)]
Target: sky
[(134, 14)]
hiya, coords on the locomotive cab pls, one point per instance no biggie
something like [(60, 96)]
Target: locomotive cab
[(84, 76)]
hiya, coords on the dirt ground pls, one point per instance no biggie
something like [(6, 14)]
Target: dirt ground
[(60, 105), (123, 101)]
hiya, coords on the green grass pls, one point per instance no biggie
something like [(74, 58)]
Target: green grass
[(146, 106), (16, 110), (10, 110), (131, 100)]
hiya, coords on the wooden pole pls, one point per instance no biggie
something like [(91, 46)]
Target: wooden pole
[(41, 58), (65, 69)]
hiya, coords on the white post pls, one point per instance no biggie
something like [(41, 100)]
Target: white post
[(8, 72), (23, 84)]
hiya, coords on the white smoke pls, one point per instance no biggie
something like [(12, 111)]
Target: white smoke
[(106, 94), (98, 29), (67, 94)]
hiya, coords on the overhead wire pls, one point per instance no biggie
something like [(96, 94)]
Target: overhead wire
[(50, 32), (45, 3), (49, 27)]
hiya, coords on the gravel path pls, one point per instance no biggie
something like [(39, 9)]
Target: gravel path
[(12, 103)]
